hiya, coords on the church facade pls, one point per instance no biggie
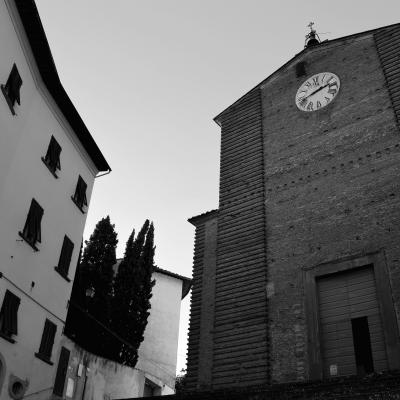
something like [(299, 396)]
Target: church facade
[(296, 276)]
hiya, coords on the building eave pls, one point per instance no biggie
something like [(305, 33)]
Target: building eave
[(33, 27), (203, 217), (186, 282), (322, 45)]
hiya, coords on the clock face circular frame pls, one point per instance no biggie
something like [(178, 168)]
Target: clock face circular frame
[(317, 91)]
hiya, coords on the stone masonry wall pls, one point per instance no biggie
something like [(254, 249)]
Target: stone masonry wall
[(200, 344), (332, 185), (240, 352)]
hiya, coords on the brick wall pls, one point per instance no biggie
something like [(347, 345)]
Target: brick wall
[(297, 190), (240, 352), (332, 187), (200, 344)]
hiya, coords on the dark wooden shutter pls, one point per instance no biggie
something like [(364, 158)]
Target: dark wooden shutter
[(13, 85), (65, 256), (52, 157), (46, 344), (343, 298), (61, 372), (80, 193), (9, 314), (32, 230)]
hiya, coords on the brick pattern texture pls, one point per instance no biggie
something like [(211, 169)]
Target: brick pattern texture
[(240, 330), (332, 187), (297, 190)]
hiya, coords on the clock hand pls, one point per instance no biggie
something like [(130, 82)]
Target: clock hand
[(322, 87)]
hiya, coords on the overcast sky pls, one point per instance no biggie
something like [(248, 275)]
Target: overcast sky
[(149, 76)]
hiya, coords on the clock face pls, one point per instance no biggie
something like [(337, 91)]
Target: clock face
[(317, 91)]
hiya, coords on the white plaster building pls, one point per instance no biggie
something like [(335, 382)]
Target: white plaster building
[(90, 377), (48, 162)]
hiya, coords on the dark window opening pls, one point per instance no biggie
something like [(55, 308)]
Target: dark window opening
[(79, 198), (46, 344), (65, 258), (9, 316), (11, 88), (300, 69), (151, 389), (362, 345), (52, 158), (59, 383), (32, 231)]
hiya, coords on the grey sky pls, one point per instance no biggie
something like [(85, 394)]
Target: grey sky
[(148, 76)]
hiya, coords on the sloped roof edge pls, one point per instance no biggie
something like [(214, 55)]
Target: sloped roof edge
[(186, 282), (204, 216), (30, 18), (217, 119)]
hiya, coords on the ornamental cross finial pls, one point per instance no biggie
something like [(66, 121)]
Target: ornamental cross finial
[(310, 25)]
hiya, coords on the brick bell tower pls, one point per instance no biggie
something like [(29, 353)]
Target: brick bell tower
[(296, 276)]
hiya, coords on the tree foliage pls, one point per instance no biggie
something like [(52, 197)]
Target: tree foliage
[(111, 322), (132, 292)]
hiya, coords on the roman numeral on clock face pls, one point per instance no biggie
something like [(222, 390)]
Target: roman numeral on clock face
[(317, 91)]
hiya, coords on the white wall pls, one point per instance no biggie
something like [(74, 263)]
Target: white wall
[(157, 354), (24, 139), (158, 351)]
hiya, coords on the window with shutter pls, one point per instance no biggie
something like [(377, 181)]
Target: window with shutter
[(52, 157), (9, 316), (79, 198), (65, 258), (46, 344), (61, 372), (11, 89), (32, 231)]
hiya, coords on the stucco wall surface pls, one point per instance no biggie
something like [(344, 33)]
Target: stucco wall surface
[(28, 274), (158, 351)]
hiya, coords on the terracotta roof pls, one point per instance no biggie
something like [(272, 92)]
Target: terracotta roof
[(204, 216), (41, 51)]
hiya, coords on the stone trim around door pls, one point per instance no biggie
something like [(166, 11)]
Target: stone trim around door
[(384, 295)]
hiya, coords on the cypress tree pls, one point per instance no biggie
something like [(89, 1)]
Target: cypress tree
[(97, 264), (132, 292)]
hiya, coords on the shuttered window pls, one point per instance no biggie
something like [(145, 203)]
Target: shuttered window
[(52, 158), (12, 88), (32, 231), (46, 344), (79, 197), (9, 314), (61, 372), (65, 256)]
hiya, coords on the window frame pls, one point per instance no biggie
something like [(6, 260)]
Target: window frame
[(8, 299), (46, 159), (384, 297), (61, 373), (12, 97), (64, 269), (80, 202), (47, 342), (34, 210)]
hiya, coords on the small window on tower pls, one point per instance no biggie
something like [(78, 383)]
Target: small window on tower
[(52, 157), (79, 198), (300, 69), (11, 88), (46, 344), (9, 316), (32, 230), (65, 258)]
